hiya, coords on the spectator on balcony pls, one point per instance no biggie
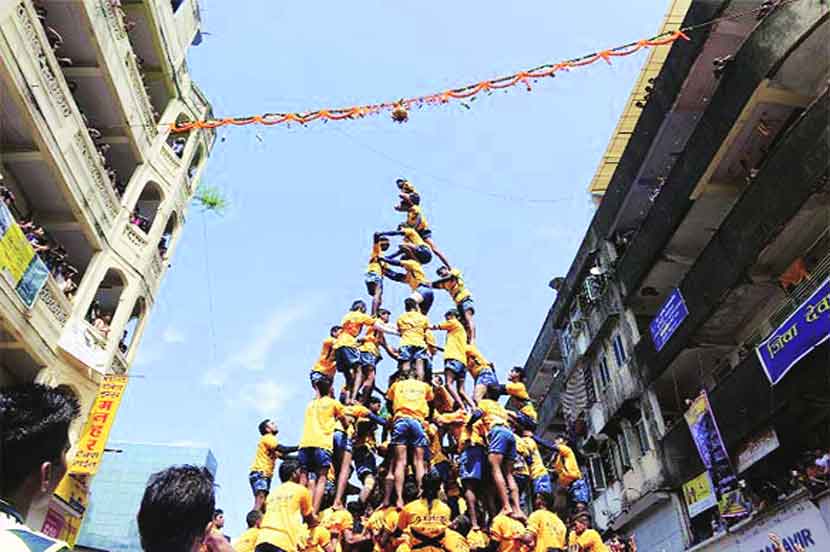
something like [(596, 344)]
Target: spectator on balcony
[(6, 195), (34, 440), (37, 239), (122, 343), (102, 324), (140, 220), (178, 146)]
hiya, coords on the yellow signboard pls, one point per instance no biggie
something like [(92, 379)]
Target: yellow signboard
[(98, 426), (699, 494)]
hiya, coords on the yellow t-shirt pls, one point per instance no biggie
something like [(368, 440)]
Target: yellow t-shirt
[(455, 346), (508, 533), (336, 521), (537, 465), (455, 542), (318, 538), (520, 466), (416, 219), (409, 399), (412, 236), (352, 413), (548, 529), (266, 454), (432, 345), (246, 542), (566, 467), (415, 275), (518, 391), (478, 540), (352, 325), (588, 541), (422, 517), (320, 422), (282, 525), (456, 288), (374, 260), (436, 451), (412, 326), (494, 414), (325, 362), (370, 342), (475, 360)]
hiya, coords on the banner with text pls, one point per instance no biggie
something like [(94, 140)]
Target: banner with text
[(710, 447), (98, 426), (802, 332), (699, 494), (19, 264)]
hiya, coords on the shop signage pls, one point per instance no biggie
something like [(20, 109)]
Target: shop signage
[(699, 494), (757, 447), (672, 313), (710, 447), (98, 425), (19, 264), (802, 332)]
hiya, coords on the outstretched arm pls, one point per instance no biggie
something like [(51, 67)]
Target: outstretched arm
[(392, 275)]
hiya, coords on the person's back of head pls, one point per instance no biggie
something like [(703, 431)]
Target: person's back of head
[(323, 387), (287, 470), (253, 518), (177, 506), (430, 485), (409, 304), (34, 439), (493, 392), (359, 305), (462, 524), (410, 490)]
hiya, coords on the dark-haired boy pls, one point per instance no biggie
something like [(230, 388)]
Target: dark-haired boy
[(346, 353), (268, 450), (412, 327), (415, 278), (281, 528), (374, 271), (547, 529), (176, 512), (34, 440), (324, 368), (455, 358), (369, 349), (451, 281), (247, 540)]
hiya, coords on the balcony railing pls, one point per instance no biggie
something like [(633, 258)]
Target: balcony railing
[(144, 104)]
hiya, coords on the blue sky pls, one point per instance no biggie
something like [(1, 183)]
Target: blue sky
[(240, 316)]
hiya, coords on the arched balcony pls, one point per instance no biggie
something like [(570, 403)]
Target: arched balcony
[(146, 207), (103, 308)]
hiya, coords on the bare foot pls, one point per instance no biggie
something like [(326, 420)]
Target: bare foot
[(337, 506), (518, 514), (399, 505)]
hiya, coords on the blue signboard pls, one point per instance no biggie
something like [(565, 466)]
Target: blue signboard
[(802, 332), (671, 314)]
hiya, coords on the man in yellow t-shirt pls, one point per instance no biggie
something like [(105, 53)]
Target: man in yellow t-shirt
[(547, 529), (281, 527), (585, 538), (416, 219), (247, 540), (455, 358), (414, 277), (369, 347), (262, 468), (451, 280), (509, 533), (481, 370), (324, 368), (346, 353), (410, 407), (374, 271), (413, 245), (317, 442), (426, 520), (412, 326)]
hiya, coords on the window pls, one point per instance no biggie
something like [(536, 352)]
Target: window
[(566, 342), (619, 351), (613, 462), (625, 455), (642, 435), (588, 382), (604, 375), (597, 473)]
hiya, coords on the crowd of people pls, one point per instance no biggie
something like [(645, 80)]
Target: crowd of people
[(440, 466)]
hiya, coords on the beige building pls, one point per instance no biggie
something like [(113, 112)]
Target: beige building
[(87, 88)]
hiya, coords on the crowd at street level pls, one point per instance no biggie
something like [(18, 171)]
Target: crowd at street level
[(451, 470)]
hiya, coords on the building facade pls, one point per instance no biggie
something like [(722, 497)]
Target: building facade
[(110, 522), (95, 186), (712, 233)]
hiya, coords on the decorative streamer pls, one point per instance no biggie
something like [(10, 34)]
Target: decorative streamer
[(400, 109)]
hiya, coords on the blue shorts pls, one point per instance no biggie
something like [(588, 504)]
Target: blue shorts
[(487, 377), (369, 359), (313, 459), (372, 280), (365, 462), (317, 377), (502, 441), (428, 297), (409, 432), (579, 491), (456, 367), (346, 359), (542, 484), (466, 305), (442, 470), (410, 352), (342, 443), (471, 463), (259, 483), (423, 253), (425, 234)]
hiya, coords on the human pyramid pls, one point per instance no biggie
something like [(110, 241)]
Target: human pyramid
[(451, 471)]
